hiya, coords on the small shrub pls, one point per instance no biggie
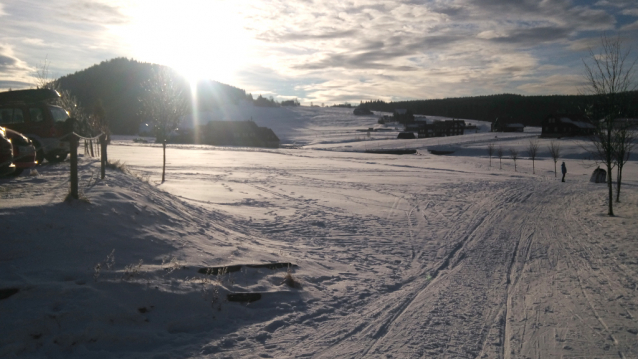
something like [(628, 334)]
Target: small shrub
[(117, 165), (108, 263), (290, 280), (132, 270), (171, 264)]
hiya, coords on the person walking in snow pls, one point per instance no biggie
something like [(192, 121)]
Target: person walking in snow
[(563, 169)]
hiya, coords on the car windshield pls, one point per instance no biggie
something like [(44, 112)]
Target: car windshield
[(58, 113)]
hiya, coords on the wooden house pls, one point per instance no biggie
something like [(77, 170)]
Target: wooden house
[(507, 125), (441, 128), (562, 125)]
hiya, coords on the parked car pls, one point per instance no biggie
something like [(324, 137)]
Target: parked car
[(30, 112), (24, 153), (6, 154)]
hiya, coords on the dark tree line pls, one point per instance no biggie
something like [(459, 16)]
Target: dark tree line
[(265, 102), (528, 110), (119, 85)]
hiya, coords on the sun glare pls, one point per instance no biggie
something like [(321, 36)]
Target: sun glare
[(201, 39)]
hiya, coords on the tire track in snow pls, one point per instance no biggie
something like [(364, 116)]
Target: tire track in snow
[(511, 286), (577, 269), (570, 302), (377, 331), (442, 267), (363, 325)]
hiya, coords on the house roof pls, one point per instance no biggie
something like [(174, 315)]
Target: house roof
[(579, 124)]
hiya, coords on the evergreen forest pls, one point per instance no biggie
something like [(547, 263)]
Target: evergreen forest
[(528, 110)]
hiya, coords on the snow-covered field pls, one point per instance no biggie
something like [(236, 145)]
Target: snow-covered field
[(396, 256)]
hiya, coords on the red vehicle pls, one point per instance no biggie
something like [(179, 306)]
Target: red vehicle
[(6, 154), (24, 153), (31, 112)]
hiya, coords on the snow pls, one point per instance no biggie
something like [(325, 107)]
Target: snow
[(397, 256)]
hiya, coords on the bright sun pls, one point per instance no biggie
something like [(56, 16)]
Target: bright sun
[(201, 39)]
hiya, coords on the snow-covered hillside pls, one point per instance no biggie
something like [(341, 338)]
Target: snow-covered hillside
[(395, 256)]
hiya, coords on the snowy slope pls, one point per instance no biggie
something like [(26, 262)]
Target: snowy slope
[(397, 256)]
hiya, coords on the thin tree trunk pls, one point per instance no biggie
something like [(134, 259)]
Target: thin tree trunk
[(164, 162), (555, 175), (533, 167), (611, 192), (609, 166), (618, 181)]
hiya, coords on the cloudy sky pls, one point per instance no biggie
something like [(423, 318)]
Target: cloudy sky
[(323, 50)]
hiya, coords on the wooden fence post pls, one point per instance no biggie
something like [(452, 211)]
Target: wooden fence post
[(73, 142), (103, 152)]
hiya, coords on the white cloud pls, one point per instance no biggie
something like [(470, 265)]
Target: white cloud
[(632, 26), (14, 73), (411, 50), (585, 44)]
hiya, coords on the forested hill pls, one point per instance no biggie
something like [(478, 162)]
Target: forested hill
[(118, 83), (528, 110)]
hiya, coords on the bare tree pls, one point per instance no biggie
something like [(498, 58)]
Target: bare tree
[(66, 100), (490, 152), (164, 104), (532, 151), (499, 154), (610, 75), (514, 155), (42, 80), (554, 152)]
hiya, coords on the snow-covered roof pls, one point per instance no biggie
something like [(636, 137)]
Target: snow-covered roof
[(579, 124)]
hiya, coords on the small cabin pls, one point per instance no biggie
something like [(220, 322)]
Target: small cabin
[(362, 111), (228, 133), (406, 135), (503, 125)]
